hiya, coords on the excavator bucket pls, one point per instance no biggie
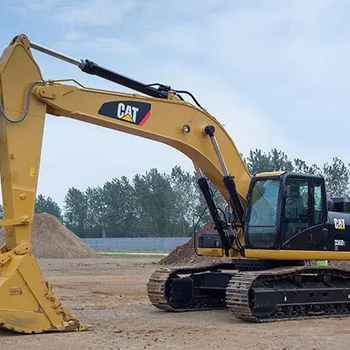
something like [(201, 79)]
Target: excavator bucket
[(27, 302)]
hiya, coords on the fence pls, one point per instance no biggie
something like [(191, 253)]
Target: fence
[(142, 243)]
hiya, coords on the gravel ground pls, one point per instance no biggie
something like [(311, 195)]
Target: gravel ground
[(111, 295)]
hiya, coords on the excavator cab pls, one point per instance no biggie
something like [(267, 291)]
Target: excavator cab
[(287, 217), (287, 211)]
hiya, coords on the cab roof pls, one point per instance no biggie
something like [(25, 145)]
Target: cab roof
[(270, 173), (290, 173)]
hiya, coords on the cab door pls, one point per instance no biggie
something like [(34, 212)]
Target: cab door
[(303, 214)]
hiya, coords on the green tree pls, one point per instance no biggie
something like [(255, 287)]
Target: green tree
[(337, 175), (185, 199), (96, 224), (75, 211), (156, 199), (300, 166), (47, 205), (258, 162), (280, 161), (121, 208), (274, 160)]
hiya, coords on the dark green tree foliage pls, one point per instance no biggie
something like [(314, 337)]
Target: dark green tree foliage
[(274, 160), (76, 211), (336, 173), (96, 215), (121, 212), (157, 200), (47, 205), (337, 176), (300, 166), (280, 161), (184, 186), (258, 162), (153, 204)]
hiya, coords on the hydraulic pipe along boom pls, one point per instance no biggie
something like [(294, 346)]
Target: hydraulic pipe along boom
[(229, 180), (92, 68)]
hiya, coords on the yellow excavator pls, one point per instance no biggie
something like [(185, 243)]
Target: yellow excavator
[(278, 221)]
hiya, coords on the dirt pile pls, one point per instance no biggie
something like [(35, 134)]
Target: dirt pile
[(51, 239), (185, 254)]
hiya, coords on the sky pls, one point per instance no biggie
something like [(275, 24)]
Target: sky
[(275, 73)]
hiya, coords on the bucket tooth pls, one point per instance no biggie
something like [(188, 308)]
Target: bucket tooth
[(27, 302)]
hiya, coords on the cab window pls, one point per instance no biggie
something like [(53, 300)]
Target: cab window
[(261, 225), (296, 210), (317, 204), (297, 201)]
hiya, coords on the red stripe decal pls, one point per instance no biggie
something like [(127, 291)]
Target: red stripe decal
[(143, 121)]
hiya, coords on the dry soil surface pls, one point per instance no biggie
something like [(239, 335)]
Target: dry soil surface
[(111, 294)]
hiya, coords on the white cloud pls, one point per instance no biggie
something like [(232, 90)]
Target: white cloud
[(32, 5), (69, 14), (94, 13)]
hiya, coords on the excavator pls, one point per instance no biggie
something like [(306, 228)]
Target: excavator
[(277, 222)]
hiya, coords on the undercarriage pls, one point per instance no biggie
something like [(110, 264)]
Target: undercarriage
[(256, 291)]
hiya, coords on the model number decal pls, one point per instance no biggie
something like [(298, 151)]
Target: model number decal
[(339, 243), (339, 224)]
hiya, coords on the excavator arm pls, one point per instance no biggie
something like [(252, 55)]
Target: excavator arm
[(170, 121), (25, 100)]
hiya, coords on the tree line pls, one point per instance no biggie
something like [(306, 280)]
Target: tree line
[(161, 204), (335, 173), (153, 204)]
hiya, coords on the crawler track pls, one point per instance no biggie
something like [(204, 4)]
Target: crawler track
[(298, 293), (159, 290), (283, 293)]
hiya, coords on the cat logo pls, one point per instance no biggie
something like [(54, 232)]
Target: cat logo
[(339, 224), (128, 111)]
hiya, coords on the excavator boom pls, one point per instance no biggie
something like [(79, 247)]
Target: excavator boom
[(27, 302)]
